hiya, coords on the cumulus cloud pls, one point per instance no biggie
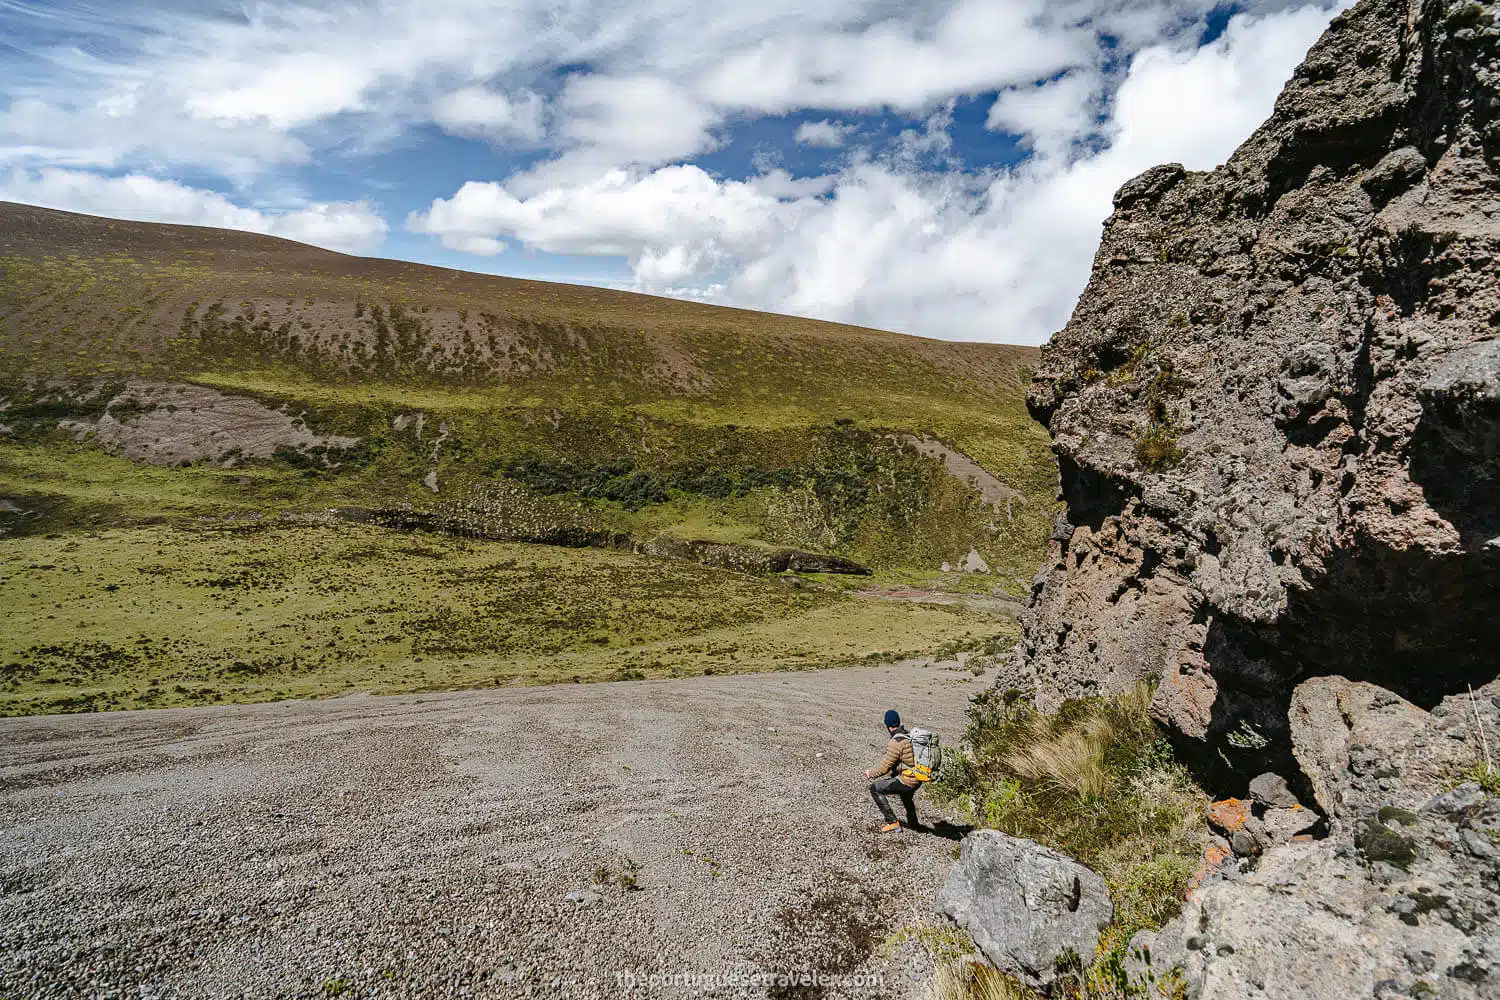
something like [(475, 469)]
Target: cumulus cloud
[(825, 133), (1051, 115), (993, 255), (349, 226), (495, 117), (671, 223)]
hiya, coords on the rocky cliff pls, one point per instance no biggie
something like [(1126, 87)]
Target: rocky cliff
[(1277, 405)]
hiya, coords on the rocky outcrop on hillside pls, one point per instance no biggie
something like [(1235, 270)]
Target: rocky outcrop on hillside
[(174, 423), (1277, 405)]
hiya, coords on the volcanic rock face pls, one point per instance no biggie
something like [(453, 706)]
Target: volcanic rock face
[(1277, 405)]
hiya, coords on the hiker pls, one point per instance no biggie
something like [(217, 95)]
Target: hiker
[(896, 775)]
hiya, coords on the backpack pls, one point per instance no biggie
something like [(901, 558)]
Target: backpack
[(927, 748)]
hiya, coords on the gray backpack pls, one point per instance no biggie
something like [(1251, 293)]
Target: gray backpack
[(927, 748)]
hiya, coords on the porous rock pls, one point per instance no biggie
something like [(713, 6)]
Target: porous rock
[(1402, 899), (1271, 790), (1363, 747), (1276, 407), (1026, 906)]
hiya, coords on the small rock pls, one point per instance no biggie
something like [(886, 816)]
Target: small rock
[(1245, 842), (583, 897), (1228, 815), (1458, 801), (1217, 862), (1271, 790), (1281, 825)]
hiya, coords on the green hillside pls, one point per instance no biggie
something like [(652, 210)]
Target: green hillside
[(195, 394)]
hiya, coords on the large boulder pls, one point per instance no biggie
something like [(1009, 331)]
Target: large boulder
[(1363, 747), (1322, 921), (1274, 408), (1026, 906)]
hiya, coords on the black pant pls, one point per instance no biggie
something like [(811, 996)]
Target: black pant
[(881, 790)]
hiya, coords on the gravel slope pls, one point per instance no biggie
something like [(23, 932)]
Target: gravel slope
[(425, 846)]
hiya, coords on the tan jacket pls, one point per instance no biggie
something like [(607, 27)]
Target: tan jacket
[(898, 760)]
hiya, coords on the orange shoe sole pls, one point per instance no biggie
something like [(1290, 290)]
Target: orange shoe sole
[(890, 828)]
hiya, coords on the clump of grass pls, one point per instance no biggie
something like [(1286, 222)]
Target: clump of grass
[(624, 872), (943, 941), (973, 981), (1156, 448), (1097, 781), (1483, 771), (1483, 775)]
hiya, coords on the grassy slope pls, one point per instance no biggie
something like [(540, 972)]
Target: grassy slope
[(162, 616), (625, 413)]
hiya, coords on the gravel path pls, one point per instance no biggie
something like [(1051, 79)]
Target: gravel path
[(426, 846)]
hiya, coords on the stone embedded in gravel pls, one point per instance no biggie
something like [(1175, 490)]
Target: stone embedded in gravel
[(583, 897), (1025, 905)]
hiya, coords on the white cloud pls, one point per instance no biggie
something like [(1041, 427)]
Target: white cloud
[(609, 122), (495, 117), (996, 256), (672, 223), (1050, 115), (250, 89), (349, 226), (614, 100), (825, 133)]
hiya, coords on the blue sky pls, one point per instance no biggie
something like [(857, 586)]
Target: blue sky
[(939, 168)]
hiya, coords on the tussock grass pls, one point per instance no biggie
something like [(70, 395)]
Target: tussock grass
[(159, 616), (973, 981), (1097, 781)]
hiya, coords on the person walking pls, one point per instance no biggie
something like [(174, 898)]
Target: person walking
[(895, 776)]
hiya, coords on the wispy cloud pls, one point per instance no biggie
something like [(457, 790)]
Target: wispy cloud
[(830, 135)]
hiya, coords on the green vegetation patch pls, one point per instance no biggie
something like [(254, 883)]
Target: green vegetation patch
[(161, 616), (1096, 780)]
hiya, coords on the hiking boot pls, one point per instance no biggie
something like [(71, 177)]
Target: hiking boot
[(890, 828)]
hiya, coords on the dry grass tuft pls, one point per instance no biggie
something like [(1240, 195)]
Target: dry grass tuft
[(1075, 759), (973, 981)]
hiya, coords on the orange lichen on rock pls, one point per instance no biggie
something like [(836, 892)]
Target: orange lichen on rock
[(1229, 815), (1217, 855)]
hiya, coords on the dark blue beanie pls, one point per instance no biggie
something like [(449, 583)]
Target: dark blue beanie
[(892, 718)]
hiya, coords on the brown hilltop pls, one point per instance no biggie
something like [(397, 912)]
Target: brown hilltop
[(77, 283)]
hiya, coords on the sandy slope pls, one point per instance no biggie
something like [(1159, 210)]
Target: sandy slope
[(424, 845)]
